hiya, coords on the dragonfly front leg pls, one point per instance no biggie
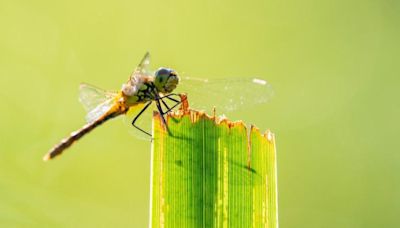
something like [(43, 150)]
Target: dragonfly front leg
[(138, 115), (177, 102), (159, 107)]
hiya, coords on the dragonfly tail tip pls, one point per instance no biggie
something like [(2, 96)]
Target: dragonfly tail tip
[(46, 157)]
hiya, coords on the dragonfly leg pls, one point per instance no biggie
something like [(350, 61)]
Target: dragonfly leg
[(159, 106), (170, 95), (137, 116), (165, 104), (170, 109), (161, 111), (177, 102)]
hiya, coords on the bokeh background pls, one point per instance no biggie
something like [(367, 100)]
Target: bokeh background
[(334, 67)]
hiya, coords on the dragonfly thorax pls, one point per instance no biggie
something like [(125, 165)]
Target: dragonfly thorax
[(165, 80), (142, 88)]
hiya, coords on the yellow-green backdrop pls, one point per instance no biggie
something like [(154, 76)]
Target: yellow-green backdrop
[(334, 66)]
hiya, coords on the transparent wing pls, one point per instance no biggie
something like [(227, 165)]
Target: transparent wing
[(100, 110), (91, 96), (144, 64), (142, 69), (96, 101), (226, 95), (144, 120)]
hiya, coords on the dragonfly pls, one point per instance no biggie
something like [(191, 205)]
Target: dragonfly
[(142, 88), (161, 87)]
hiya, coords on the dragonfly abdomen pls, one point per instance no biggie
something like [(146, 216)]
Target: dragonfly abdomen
[(76, 135)]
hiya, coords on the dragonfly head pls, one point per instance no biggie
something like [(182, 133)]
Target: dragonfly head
[(166, 80)]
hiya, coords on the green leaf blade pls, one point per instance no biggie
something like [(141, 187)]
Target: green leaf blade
[(210, 173)]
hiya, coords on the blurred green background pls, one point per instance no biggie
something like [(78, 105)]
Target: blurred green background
[(334, 66)]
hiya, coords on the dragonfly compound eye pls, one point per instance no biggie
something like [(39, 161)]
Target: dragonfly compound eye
[(166, 80)]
